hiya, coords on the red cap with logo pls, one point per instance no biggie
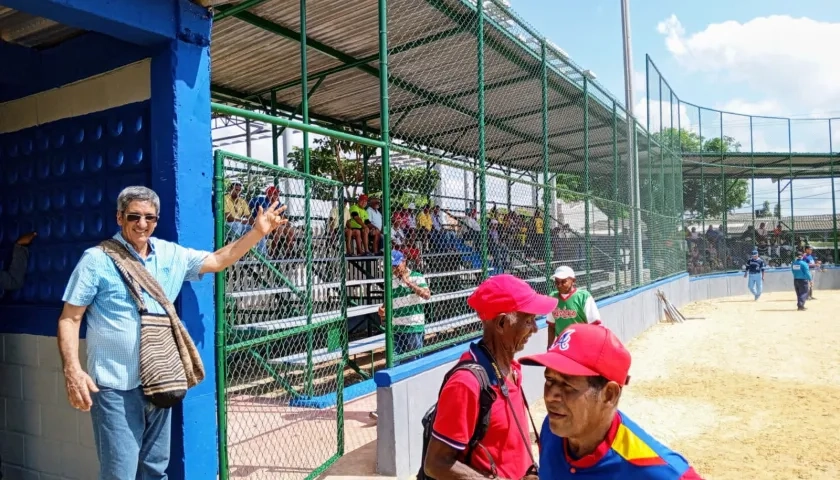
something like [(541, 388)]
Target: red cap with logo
[(505, 293), (586, 349)]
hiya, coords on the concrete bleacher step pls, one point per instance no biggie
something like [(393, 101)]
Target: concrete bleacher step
[(370, 344)]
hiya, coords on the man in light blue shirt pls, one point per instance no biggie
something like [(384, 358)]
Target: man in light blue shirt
[(801, 280), (132, 436)]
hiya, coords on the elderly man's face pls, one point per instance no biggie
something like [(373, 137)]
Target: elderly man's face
[(574, 407), (517, 328), (137, 222)]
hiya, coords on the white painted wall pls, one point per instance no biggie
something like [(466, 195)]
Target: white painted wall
[(43, 437)]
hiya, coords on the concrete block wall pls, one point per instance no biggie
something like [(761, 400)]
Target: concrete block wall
[(43, 437)]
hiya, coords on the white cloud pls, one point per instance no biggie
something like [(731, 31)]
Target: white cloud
[(784, 58)]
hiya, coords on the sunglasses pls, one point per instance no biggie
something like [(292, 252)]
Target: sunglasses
[(135, 217)]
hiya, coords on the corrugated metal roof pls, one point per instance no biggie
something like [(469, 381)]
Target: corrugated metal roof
[(433, 82), (33, 32), (433, 76)]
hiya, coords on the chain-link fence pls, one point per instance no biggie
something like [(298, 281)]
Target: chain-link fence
[(749, 182), (281, 327)]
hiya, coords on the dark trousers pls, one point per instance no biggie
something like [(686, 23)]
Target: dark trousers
[(802, 288)]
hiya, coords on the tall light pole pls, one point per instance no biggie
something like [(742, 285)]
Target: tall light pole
[(632, 151)]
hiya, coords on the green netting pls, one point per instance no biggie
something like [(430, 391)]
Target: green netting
[(281, 320), (749, 182)]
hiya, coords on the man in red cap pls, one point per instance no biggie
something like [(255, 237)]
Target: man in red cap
[(584, 433), (508, 308)]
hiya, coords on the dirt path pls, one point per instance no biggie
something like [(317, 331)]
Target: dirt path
[(750, 391)]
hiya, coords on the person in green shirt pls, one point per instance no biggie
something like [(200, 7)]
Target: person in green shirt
[(573, 305), (409, 293), (359, 228)]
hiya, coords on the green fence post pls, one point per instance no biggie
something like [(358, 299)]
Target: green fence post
[(386, 180), (339, 398), (275, 153), (790, 184), (221, 324), (481, 138), (752, 182), (546, 189), (587, 199), (833, 202), (307, 198), (617, 258), (723, 192)]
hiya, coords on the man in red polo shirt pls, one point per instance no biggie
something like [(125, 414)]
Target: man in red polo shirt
[(584, 434), (508, 308)]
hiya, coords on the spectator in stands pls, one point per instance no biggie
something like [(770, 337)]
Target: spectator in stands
[(284, 232), (375, 217), (473, 230), (132, 436), (585, 435), (441, 237), (358, 228), (409, 293), (507, 307), (536, 234), (573, 305), (237, 213), (424, 224), (13, 277)]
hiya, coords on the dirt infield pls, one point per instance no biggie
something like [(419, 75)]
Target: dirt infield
[(750, 391)]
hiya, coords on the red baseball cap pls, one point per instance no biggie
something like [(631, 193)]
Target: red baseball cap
[(507, 294), (271, 190), (586, 349)]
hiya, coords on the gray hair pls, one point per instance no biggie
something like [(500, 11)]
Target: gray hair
[(137, 194)]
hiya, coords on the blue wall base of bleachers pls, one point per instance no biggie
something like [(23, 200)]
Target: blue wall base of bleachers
[(353, 392)]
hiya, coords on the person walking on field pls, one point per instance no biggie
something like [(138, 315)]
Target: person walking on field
[(801, 280), (755, 271), (573, 306), (124, 288)]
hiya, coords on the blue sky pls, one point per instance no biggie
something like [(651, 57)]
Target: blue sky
[(769, 57)]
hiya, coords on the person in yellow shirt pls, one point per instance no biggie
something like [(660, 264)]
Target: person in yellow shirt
[(424, 225), (237, 213), (359, 228)]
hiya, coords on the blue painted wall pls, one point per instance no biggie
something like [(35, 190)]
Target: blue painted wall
[(176, 162)]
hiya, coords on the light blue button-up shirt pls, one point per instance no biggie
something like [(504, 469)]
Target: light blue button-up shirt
[(113, 321)]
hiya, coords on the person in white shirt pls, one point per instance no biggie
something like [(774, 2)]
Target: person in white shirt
[(375, 217)]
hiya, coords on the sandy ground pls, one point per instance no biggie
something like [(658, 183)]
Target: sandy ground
[(749, 391), (744, 390)]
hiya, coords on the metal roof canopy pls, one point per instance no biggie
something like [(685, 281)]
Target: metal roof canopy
[(433, 82), (760, 165)]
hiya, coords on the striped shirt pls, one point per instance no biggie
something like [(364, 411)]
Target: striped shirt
[(113, 322), (408, 306)]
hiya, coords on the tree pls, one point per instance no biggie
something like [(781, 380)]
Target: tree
[(764, 210), (777, 212), (710, 196), (342, 160)]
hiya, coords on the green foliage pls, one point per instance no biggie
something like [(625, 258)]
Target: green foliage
[(710, 196), (343, 161)]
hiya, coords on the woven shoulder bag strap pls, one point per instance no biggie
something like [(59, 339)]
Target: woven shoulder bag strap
[(117, 252), (138, 273)]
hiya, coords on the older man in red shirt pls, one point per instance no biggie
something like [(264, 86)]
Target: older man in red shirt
[(508, 308)]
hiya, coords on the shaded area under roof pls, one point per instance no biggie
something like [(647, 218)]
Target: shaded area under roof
[(433, 79)]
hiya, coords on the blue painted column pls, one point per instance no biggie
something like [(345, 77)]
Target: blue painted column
[(182, 174)]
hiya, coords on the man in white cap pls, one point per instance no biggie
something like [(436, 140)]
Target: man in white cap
[(573, 305)]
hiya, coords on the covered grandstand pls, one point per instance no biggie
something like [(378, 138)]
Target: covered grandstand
[(419, 103)]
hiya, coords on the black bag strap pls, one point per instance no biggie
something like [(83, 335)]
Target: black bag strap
[(486, 398), (503, 388)]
